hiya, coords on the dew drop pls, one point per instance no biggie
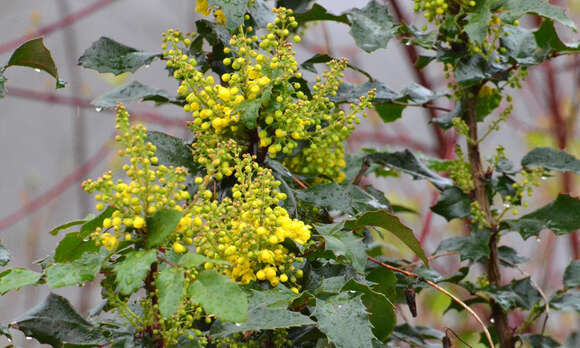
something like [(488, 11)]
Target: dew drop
[(28, 338), (37, 70), (146, 65), (9, 340), (544, 178), (98, 109), (491, 320), (506, 205), (351, 291), (408, 43), (238, 324), (339, 306), (538, 239)]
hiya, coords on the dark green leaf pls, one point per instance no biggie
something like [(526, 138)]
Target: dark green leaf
[(561, 216), (407, 162), (551, 159), (4, 256), (55, 230), (172, 151), (76, 272), (569, 301), (380, 309), (572, 341), (389, 112), (478, 20), (249, 112), (319, 13), (452, 203), (446, 121), (73, 246), (349, 93), (16, 278), (509, 257), (34, 54), (268, 310), (218, 295), (55, 322), (325, 58), (372, 26), (474, 70), (90, 226), (346, 244), (130, 273), (170, 282), (131, 92), (393, 224), (371, 199), (261, 12), (486, 104), (572, 274), (547, 38), (539, 341), (521, 46), (423, 61), (514, 9), (107, 55), (191, 260), (416, 335), (519, 293), (473, 247), (414, 36), (331, 197), (161, 225), (344, 320), (2, 83), (233, 10), (4, 331)]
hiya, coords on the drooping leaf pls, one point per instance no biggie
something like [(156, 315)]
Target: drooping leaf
[(514, 9), (76, 272), (407, 162), (344, 320), (572, 274), (130, 273), (561, 216), (569, 301), (16, 278), (4, 256), (90, 226), (478, 20), (475, 69), (347, 244), (423, 61), (268, 310), (452, 203), (319, 13), (325, 58), (172, 151), (34, 54), (233, 10), (391, 223), (551, 159), (349, 93), (132, 91), (539, 341), (218, 295), (509, 257), (445, 121), (416, 334), (70, 224), (170, 282), (109, 56), (474, 247), (547, 38), (55, 322), (73, 246), (380, 309), (161, 225), (372, 26), (521, 46), (368, 199)]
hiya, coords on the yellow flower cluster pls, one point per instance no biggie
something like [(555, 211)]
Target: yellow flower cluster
[(247, 230), (151, 186), (435, 9), (203, 8)]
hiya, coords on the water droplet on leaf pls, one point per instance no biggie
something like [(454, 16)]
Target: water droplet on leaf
[(37, 70), (98, 109)]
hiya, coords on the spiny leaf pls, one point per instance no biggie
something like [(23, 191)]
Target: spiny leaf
[(130, 273), (73, 246), (131, 92), (372, 26), (76, 272), (572, 274), (172, 151), (319, 13), (90, 226), (161, 225), (551, 159), (452, 203), (107, 55), (234, 10), (569, 301), (34, 54), (170, 284), (514, 9), (57, 229), (16, 278), (478, 21), (343, 243)]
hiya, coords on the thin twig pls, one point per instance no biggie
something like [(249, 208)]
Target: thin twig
[(457, 336), (440, 289)]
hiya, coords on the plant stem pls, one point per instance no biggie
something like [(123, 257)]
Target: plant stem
[(505, 334), (151, 293)]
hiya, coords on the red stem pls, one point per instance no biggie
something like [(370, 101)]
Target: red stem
[(61, 23)]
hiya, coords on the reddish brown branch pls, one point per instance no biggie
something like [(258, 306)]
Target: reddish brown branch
[(61, 23), (74, 177)]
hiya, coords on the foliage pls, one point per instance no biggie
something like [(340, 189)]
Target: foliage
[(256, 233)]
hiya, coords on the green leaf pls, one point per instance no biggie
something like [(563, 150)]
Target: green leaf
[(452, 203), (445, 121), (2, 83), (391, 223), (561, 216), (268, 310), (55, 322), (344, 320), (261, 12), (90, 226), (509, 257), (423, 61), (4, 256), (381, 310), (346, 244), (70, 224), (551, 159), (474, 247), (131, 92), (407, 162), (474, 70), (319, 13), (349, 93), (539, 341), (249, 112), (519, 293), (233, 10), (170, 282), (548, 39), (478, 20), (191, 260), (109, 56), (514, 9), (569, 301), (34, 54), (218, 295), (416, 335), (389, 112), (572, 341), (572, 274), (73, 273), (73, 246), (486, 104), (521, 46), (172, 151), (326, 196), (16, 278), (130, 273), (160, 226), (372, 26), (325, 58)]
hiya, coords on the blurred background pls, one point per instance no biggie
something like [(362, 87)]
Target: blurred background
[(51, 140)]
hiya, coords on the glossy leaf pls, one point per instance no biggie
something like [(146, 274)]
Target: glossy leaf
[(170, 282), (325, 58), (132, 271), (319, 13), (16, 278), (233, 10), (569, 301), (372, 26), (172, 151), (34, 54), (261, 12), (478, 20), (416, 335), (76, 272), (109, 56), (191, 260), (70, 224), (90, 226), (73, 246), (161, 225), (452, 203), (347, 244), (521, 46), (249, 112), (539, 341), (344, 320), (572, 274), (393, 224), (514, 9), (130, 92), (445, 121), (551, 159), (519, 293), (218, 295), (474, 247)]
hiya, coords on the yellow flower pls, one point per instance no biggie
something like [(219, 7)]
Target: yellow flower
[(203, 7), (220, 17)]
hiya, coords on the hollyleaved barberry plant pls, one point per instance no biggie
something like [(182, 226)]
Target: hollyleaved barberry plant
[(260, 233)]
